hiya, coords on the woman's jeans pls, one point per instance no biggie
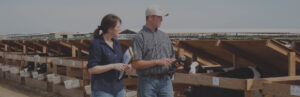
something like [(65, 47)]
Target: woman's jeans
[(155, 87), (105, 94)]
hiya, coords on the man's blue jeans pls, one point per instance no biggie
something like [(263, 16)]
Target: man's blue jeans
[(105, 94), (155, 87)]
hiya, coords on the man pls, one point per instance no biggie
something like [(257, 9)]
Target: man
[(153, 54)]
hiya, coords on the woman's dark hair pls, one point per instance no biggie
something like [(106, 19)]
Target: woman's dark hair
[(108, 21)]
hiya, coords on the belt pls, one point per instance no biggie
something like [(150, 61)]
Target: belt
[(156, 75)]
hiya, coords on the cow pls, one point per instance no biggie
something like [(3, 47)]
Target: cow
[(29, 66), (196, 68), (41, 68), (231, 72)]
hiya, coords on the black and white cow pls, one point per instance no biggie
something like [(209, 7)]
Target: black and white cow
[(240, 73), (29, 66), (41, 68), (196, 68)]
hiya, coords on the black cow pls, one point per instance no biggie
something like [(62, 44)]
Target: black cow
[(29, 66), (41, 68), (240, 73)]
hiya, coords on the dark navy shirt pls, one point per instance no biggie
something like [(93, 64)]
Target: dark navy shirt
[(102, 54)]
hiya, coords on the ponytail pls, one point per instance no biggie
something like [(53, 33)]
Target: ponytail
[(97, 32)]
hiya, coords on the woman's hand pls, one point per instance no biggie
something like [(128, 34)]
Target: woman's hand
[(121, 67)]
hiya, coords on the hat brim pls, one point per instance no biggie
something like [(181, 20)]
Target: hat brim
[(165, 14)]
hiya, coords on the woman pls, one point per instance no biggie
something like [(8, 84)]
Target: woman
[(105, 59)]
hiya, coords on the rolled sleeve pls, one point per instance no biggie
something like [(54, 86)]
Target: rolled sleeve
[(137, 44), (94, 56)]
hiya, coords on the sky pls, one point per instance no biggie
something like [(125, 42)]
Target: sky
[(44, 16)]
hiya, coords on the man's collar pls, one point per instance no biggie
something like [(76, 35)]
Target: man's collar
[(146, 28)]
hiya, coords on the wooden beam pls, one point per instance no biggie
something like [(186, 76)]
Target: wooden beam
[(70, 46), (79, 43), (284, 78), (277, 47), (10, 46), (38, 44), (24, 49), (68, 70), (208, 80), (294, 47), (32, 45), (180, 52), (34, 50), (292, 64), (65, 44), (82, 47), (234, 61), (74, 51), (49, 68), (13, 48), (56, 51), (45, 46), (18, 43), (55, 68), (85, 52), (202, 55), (280, 90), (5, 47), (79, 54), (242, 54), (201, 60), (44, 49)]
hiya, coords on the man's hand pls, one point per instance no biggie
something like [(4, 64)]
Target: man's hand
[(177, 63), (128, 69), (164, 61)]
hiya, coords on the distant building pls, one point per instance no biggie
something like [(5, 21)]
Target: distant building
[(126, 34), (17, 37), (41, 36), (2, 37), (61, 35), (83, 35), (183, 36), (129, 34)]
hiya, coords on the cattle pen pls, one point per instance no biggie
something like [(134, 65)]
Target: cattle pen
[(66, 61)]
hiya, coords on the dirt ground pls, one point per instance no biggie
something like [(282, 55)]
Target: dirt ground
[(5, 92), (13, 90)]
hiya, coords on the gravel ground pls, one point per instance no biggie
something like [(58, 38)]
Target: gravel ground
[(8, 89)]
